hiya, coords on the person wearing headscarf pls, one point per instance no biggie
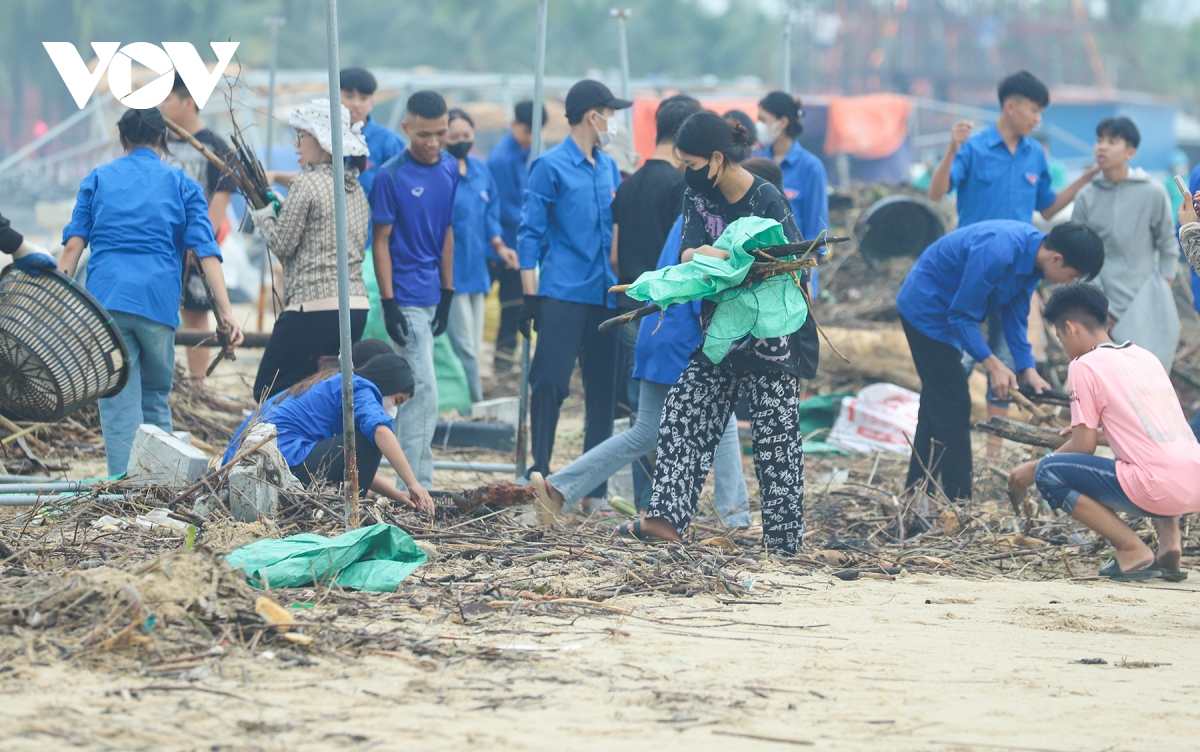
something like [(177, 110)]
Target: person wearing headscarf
[(309, 433), (140, 216), (303, 235)]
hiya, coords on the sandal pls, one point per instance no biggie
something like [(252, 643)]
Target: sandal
[(1171, 574), (548, 511), (633, 529), (1113, 571)]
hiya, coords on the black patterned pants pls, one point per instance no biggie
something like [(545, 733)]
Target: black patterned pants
[(694, 416)]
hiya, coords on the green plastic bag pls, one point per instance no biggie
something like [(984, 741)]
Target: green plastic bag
[(453, 392), (772, 308), (375, 558)]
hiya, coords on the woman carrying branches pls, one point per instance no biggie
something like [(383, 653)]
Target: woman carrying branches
[(303, 236), (768, 370)]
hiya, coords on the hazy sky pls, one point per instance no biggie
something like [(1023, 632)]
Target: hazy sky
[(1166, 10)]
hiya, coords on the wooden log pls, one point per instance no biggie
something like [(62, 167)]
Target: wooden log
[(1022, 433)]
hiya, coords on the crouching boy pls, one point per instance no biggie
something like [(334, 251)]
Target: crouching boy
[(1120, 395)]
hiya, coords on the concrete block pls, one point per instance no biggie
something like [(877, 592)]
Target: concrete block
[(250, 495), (256, 481), (159, 458), (502, 409), (184, 436)]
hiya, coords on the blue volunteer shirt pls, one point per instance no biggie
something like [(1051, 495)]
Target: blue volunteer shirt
[(566, 224), (476, 222), (140, 215), (664, 348), (509, 164), (417, 200), (383, 143), (805, 184), (960, 279), (994, 183), (305, 421)]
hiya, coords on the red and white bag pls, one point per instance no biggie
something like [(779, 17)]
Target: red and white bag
[(883, 417)]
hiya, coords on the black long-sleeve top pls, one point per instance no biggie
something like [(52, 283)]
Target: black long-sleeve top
[(10, 239)]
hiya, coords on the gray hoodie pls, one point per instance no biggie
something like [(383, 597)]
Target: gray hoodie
[(1135, 221)]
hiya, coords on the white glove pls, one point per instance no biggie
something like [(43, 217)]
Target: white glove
[(258, 215), (28, 248)]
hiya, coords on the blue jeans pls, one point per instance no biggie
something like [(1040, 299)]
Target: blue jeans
[(731, 497), (1063, 478), (417, 419), (145, 397)]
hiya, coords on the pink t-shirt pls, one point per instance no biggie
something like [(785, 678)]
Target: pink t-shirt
[(1125, 390)]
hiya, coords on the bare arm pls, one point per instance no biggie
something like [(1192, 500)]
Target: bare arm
[(216, 209), (1067, 195), (939, 184), (529, 281), (390, 447), (216, 282), (1083, 440), (69, 261), (383, 260), (282, 178), (447, 267), (612, 254)]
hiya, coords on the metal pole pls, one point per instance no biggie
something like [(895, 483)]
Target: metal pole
[(785, 72), (539, 76), (622, 15), (273, 23), (343, 265)]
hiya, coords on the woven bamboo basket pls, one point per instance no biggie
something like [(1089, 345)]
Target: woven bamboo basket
[(59, 348)]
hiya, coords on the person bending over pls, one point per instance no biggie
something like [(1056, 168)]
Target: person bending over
[(308, 420), (1122, 397)]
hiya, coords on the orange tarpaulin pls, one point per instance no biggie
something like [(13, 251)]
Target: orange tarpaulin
[(645, 107), (868, 127)]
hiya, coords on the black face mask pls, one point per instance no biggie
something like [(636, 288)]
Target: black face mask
[(698, 180), (460, 150)]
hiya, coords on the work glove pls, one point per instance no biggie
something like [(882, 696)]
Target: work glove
[(270, 210), (394, 321), (530, 315), (441, 317), (32, 259)]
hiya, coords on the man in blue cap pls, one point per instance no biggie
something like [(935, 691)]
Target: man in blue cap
[(566, 235)]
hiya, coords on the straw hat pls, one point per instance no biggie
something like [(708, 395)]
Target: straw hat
[(314, 118)]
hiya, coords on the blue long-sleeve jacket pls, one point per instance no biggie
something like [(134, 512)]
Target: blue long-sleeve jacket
[(567, 225), (964, 276), (509, 164)]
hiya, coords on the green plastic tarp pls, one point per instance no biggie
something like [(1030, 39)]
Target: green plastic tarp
[(453, 393), (772, 308), (817, 416), (375, 558)]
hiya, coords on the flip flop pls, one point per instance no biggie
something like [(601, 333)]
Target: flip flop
[(633, 529), (1113, 571), (548, 511), (1172, 575)]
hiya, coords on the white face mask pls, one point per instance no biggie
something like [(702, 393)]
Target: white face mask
[(604, 138), (767, 134), (390, 408)]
